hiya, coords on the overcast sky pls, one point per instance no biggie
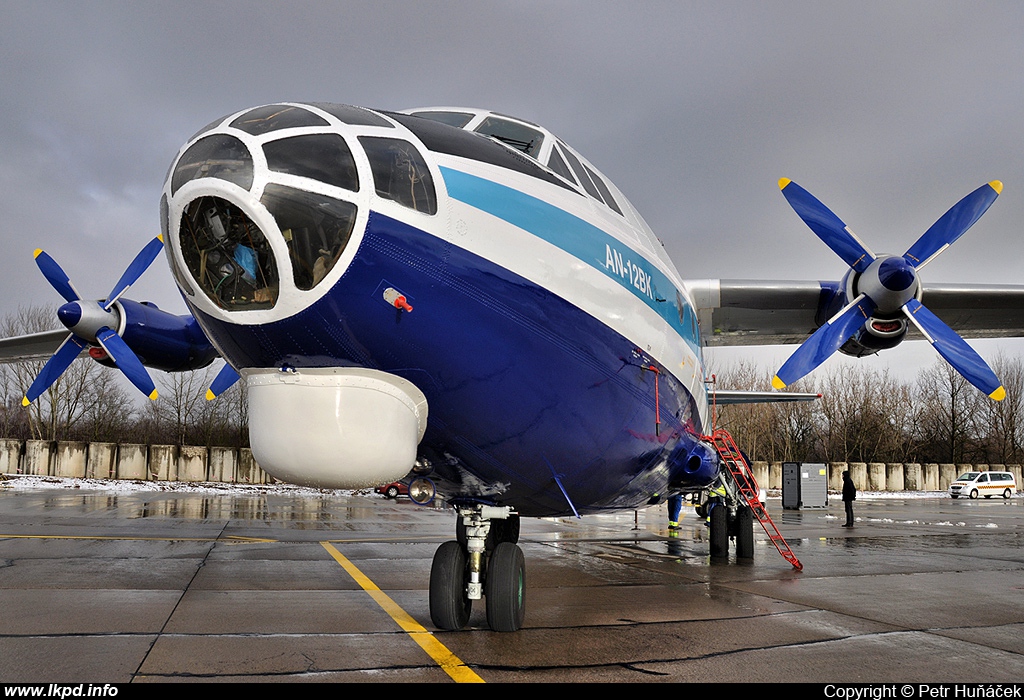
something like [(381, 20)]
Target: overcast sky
[(889, 112)]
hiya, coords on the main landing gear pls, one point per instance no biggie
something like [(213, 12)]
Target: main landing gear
[(483, 561), (728, 518)]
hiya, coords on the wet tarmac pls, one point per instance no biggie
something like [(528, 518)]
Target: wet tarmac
[(155, 586)]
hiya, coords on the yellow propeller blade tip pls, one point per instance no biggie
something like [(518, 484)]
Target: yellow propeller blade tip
[(998, 395), (997, 186), (778, 383), (152, 397), (160, 237), (36, 253), (210, 396), (783, 181), (25, 401)]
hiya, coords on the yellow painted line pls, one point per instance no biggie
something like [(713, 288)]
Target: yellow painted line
[(112, 538), (231, 539), (449, 662)]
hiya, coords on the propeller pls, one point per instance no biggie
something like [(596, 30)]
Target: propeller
[(889, 286), (93, 323), (224, 380)]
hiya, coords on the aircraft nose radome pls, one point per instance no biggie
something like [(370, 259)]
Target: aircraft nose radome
[(70, 314)]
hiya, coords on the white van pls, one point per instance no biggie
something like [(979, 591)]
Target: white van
[(987, 484)]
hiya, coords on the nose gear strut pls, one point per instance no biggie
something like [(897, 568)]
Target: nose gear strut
[(483, 562)]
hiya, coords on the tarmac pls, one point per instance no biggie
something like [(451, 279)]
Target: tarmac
[(100, 586)]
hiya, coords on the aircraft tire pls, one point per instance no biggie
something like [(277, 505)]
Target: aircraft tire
[(505, 588), (719, 531), (744, 533), (449, 606)]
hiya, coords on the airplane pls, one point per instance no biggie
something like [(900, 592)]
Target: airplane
[(459, 295)]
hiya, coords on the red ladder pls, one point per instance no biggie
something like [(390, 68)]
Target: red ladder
[(737, 465)]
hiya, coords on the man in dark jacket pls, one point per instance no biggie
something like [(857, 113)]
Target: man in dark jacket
[(849, 496)]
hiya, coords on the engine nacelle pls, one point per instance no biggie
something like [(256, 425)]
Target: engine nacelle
[(338, 427), (877, 334)]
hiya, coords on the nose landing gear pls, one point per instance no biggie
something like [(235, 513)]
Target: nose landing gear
[(483, 561)]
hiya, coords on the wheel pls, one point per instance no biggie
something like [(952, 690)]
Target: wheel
[(974, 493), (719, 531), (1006, 493), (745, 533), (392, 492), (505, 588), (449, 606)]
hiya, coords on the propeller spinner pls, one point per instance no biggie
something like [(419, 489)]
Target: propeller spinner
[(888, 284), (93, 323)]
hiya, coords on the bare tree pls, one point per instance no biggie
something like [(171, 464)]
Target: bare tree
[(946, 415), (865, 416), (181, 405), (182, 415), (1001, 424), (769, 432)]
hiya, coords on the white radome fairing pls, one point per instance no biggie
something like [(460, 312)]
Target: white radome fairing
[(339, 427)]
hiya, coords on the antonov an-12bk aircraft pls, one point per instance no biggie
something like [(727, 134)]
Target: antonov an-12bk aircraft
[(459, 294)]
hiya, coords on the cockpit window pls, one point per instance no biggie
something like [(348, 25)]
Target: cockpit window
[(556, 163), (323, 157), (400, 173), (456, 119), (273, 117), (357, 116), (221, 156), (581, 174), (518, 136), (165, 226), (316, 229), (228, 255), (605, 192)]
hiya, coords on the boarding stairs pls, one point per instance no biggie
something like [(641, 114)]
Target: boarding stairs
[(742, 475)]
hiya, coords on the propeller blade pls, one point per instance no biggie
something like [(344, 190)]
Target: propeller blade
[(139, 265), (224, 380), (127, 361), (955, 350), (827, 226), (953, 224), (56, 276), (54, 367), (825, 341)]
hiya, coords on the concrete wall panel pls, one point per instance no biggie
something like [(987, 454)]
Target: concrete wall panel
[(191, 463), (70, 459)]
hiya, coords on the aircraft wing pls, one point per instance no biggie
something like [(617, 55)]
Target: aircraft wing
[(779, 312), (37, 346), (731, 398)]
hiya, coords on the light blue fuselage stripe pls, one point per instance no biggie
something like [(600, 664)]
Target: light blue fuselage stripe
[(582, 240)]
